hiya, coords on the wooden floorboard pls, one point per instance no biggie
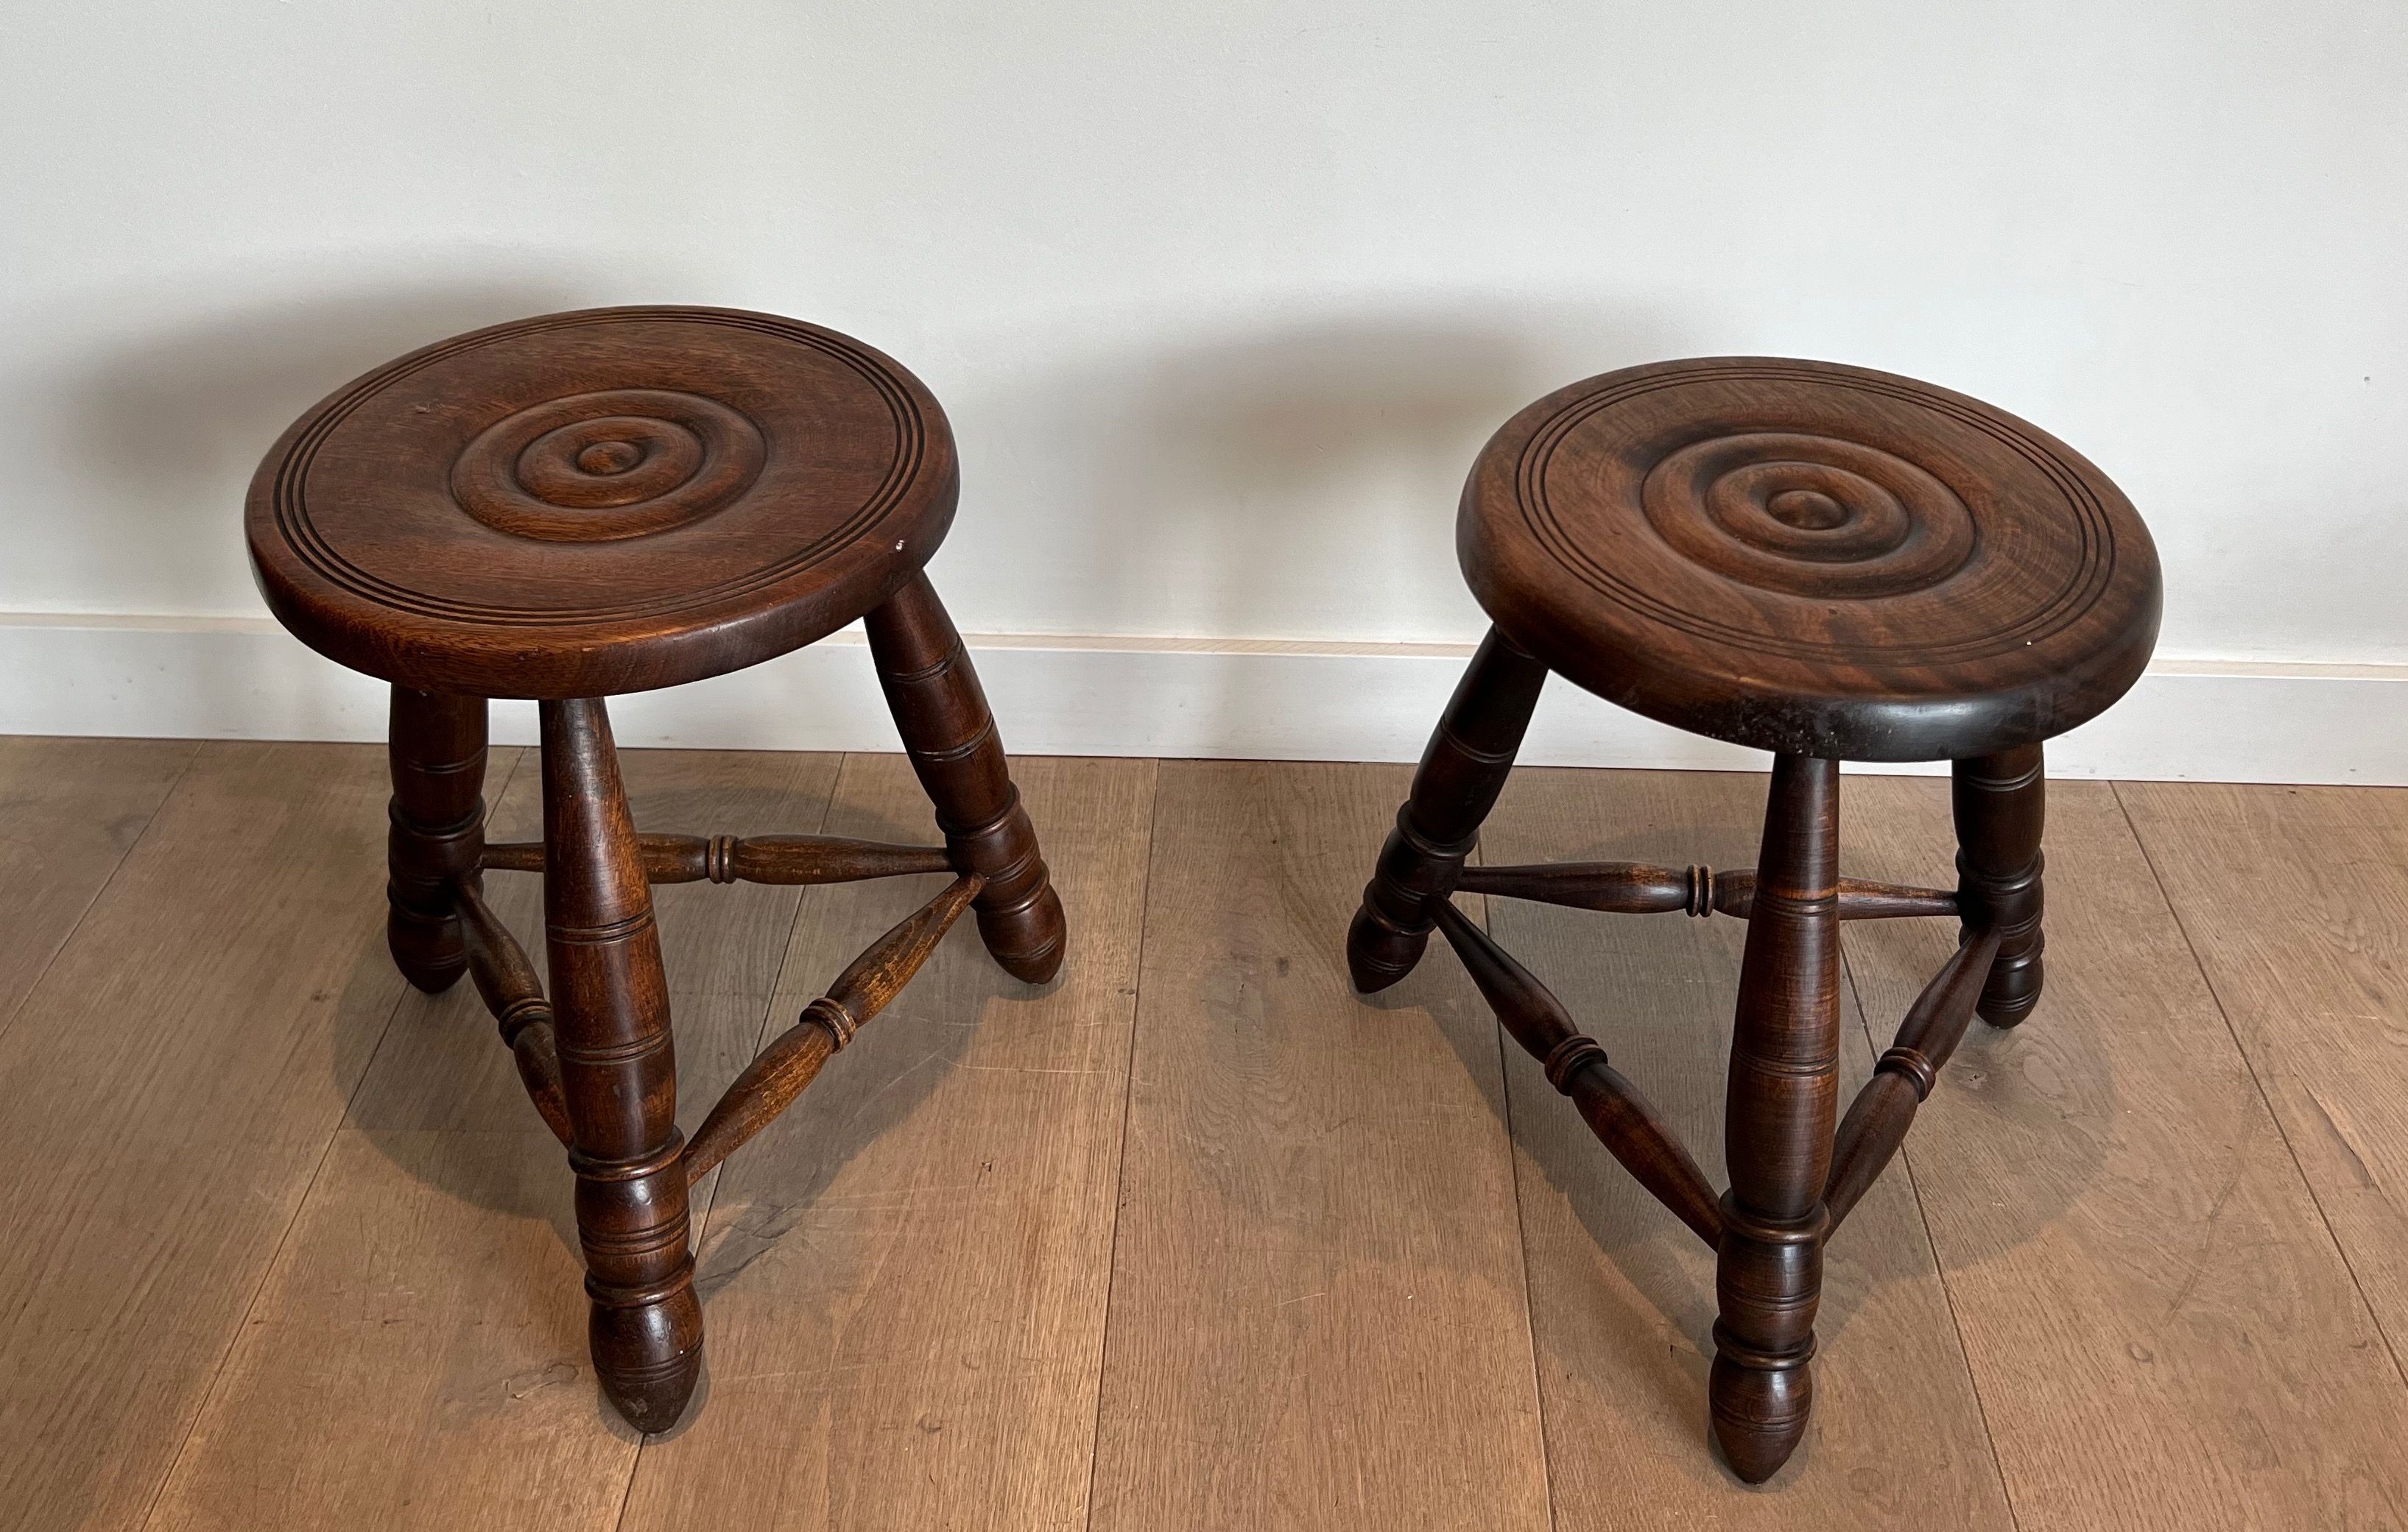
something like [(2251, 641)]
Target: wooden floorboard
[(905, 1275), (1317, 1316), (2296, 901), (1622, 1295), (69, 811), (2161, 1330), (417, 1357), (172, 1082), (287, 1247)]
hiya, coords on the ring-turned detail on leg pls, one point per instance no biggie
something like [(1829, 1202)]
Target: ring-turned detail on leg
[(436, 747), (1462, 770), (1824, 563), (573, 506), (2001, 806), (1782, 1106), (618, 1069), (942, 713)]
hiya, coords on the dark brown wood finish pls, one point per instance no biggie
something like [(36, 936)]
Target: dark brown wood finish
[(618, 1067), (2001, 805), (1885, 1109), (609, 500), (1812, 559), (750, 859), (1576, 1065), (951, 736), (1829, 563), (625, 1068), (1637, 888), (438, 752), (770, 1082), (1784, 1096), (507, 982), (578, 505), (1463, 769)]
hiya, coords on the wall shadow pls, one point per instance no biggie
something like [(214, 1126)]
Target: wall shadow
[(192, 409), (166, 431), (1295, 480)]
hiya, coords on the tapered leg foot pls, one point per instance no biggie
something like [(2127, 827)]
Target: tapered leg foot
[(942, 713), (1026, 932), (1769, 1282), (650, 1395), (1779, 1114), (1379, 952), (1462, 771), (618, 1071), (1759, 1411), (2014, 991), (2001, 804), (436, 750), (647, 1341)]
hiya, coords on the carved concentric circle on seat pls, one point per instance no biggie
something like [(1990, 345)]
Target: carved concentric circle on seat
[(616, 462), (1812, 558), (1808, 515), (601, 501)]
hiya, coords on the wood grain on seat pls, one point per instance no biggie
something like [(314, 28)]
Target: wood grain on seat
[(1812, 559), (611, 500)]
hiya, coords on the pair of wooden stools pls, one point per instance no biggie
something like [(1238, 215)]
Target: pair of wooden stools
[(1821, 562)]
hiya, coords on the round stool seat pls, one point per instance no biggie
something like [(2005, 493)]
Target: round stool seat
[(606, 501), (1811, 559)]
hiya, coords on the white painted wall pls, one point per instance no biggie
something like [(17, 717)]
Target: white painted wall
[(1221, 299)]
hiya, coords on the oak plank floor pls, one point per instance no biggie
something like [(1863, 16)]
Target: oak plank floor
[(1622, 1295), (69, 811), (172, 1082), (1192, 1238), (904, 1276), (1318, 1315), (2160, 1326), (418, 1356), (2295, 900)]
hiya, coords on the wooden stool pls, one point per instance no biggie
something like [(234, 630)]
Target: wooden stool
[(1828, 563), (585, 504)]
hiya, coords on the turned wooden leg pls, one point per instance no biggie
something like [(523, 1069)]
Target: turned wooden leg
[(1785, 1073), (436, 747), (618, 1071), (2001, 803), (1463, 769), (942, 716)]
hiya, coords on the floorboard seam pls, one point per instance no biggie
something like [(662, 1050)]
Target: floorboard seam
[(283, 1238), (89, 905), (259, 1289), (1521, 1230), (1939, 1268), (1120, 1175), (2250, 1063)]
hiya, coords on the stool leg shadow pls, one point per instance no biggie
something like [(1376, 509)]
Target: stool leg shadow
[(1461, 773), (942, 713), (1780, 1113)]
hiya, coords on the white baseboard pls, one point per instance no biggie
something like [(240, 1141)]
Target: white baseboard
[(245, 679)]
